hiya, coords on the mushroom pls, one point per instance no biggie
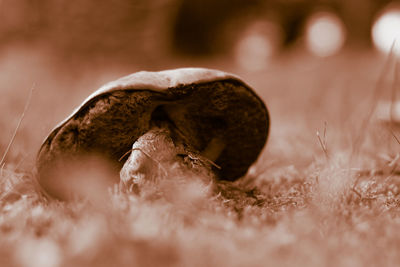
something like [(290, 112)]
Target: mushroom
[(202, 120)]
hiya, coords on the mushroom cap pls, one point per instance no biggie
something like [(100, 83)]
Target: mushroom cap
[(202, 104)]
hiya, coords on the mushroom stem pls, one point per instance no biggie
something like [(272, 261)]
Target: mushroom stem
[(156, 155)]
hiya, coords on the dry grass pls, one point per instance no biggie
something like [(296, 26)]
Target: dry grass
[(326, 200)]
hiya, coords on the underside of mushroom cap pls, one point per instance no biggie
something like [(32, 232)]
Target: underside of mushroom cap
[(202, 104)]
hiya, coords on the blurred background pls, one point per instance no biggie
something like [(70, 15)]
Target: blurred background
[(148, 32), (66, 49)]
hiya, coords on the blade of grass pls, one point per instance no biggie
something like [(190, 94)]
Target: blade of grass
[(358, 141), (394, 92), (394, 136), (2, 161), (323, 142)]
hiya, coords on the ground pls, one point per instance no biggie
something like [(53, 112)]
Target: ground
[(324, 192)]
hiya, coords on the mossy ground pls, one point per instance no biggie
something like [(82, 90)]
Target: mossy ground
[(330, 199)]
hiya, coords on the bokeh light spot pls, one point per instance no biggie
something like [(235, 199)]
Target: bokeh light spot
[(386, 31), (325, 34), (257, 45)]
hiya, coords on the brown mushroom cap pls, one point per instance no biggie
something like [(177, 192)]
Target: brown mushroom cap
[(202, 104)]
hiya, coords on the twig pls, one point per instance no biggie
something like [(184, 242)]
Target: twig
[(202, 158), (18, 125)]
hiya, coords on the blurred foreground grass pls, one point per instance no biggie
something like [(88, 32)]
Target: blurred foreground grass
[(332, 201)]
